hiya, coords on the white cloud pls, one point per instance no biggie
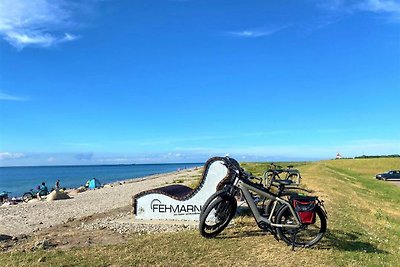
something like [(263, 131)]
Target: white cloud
[(5, 96), (380, 6), (115, 160), (40, 23), (390, 8), (69, 37), (84, 156), (387, 8), (21, 40), (8, 155), (294, 152), (249, 33), (256, 32)]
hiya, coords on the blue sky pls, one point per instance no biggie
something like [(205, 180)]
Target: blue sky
[(178, 81)]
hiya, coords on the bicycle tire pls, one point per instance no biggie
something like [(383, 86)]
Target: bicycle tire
[(311, 234), (268, 177), (295, 178), (217, 216), (27, 196), (211, 198)]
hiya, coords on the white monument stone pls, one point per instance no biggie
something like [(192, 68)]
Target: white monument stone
[(179, 202)]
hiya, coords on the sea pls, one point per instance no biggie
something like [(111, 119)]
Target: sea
[(18, 180)]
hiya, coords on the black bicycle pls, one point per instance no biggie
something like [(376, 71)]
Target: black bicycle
[(300, 221), (4, 196), (274, 172)]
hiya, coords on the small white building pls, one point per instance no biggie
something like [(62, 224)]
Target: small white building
[(338, 156)]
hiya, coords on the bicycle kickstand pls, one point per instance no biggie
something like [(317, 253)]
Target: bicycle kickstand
[(294, 239), (274, 234)]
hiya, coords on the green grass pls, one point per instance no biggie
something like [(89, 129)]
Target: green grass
[(238, 246), (364, 213), (259, 168), (178, 181), (363, 223)]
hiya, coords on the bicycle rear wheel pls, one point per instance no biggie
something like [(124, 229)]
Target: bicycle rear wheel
[(307, 235), (217, 216), (294, 177)]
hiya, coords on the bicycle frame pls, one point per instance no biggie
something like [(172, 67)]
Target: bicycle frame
[(246, 188), (277, 217), (288, 172)]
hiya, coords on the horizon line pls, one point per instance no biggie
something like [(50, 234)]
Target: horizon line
[(89, 165)]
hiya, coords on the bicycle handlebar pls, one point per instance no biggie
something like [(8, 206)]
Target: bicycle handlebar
[(242, 174)]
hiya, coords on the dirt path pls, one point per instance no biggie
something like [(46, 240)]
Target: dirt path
[(397, 183)]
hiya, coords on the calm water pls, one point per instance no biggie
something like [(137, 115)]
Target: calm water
[(18, 180)]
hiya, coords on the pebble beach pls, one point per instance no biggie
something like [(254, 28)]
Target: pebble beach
[(27, 218)]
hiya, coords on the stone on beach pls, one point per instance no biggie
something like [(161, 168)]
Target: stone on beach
[(57, 195), (74, 192), (44, 244), (5, 237), (81, 189)]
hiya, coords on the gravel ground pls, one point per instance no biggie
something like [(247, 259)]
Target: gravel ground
[(27, 218), (124, 224)]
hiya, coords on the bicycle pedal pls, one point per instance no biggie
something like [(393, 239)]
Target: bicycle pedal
[(265, 227)]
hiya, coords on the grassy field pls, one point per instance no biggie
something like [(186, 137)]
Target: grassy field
[(363, 223)]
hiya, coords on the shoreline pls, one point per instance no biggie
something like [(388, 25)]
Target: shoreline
[(19, 180), (28, 218), (101, 165)]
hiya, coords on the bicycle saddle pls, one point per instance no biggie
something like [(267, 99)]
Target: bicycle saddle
[(283, 182)]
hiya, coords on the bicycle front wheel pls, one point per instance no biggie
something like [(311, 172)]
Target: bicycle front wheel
[(216, 217), (307, 235), (27, 196), (220, 193)]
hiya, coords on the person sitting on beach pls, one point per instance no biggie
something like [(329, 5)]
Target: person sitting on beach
[(43, 190)]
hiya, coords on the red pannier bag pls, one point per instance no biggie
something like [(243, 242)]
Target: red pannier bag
[(305, 208)]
